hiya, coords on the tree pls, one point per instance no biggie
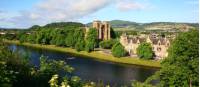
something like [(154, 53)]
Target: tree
[(70, 39), (22, 38), (181, 67), (91, 40), (31, 38), (79, 39), (113, 33), (118, 50), (80, 45), (107, 44), (60, 40), (144, 51)]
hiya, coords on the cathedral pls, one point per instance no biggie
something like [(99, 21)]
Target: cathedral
[(103, 29)]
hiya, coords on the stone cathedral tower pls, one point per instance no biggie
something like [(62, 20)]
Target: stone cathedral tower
[(103, 29)]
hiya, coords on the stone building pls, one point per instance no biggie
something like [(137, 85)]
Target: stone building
[(103, 29), (159, 45)]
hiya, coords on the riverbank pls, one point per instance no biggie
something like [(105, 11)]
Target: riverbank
[(94, 55)]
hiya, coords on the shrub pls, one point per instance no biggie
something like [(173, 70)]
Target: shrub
[(144, 51), (118, 50), (80, 45), (107, 44)]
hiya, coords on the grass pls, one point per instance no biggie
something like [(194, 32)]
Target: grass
[(95, 55)]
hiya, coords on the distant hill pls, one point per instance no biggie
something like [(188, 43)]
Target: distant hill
[(64, 24), (58, 25), (120, 25), (55, 25)]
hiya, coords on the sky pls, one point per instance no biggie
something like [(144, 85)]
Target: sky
[(26, 13)]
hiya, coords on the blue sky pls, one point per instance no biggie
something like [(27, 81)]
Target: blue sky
[(25, 13)]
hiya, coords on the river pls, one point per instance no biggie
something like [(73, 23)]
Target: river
[(89, 69)]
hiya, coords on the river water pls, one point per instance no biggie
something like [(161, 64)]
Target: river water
[(89, 69)]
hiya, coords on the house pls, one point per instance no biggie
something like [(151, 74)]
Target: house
[(159, 44)]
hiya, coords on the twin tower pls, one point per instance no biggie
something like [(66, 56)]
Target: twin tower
[(103, 29)]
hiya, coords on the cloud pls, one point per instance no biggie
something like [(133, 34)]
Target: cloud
[(128, 5), (47, 11), (2, 12), (57, 10)]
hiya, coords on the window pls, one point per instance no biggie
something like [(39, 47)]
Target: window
[(158, 49), (167, 44)]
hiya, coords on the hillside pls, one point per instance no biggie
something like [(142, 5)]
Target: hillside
[(128, 25), (121, 25)]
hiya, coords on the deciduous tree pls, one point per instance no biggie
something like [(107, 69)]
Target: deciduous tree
[(118, 50), (144, 51), (91, 40)]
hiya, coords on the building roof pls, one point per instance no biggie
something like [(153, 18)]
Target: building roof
[(154, 41)]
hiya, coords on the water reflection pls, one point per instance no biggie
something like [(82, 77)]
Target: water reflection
[(93, 70)]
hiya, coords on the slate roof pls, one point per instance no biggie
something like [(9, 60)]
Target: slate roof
[(141, 40)]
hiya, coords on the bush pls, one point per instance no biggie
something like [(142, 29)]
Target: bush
[(144, 51), (80, 45), (89, 46), (118, 50), (107, 44)]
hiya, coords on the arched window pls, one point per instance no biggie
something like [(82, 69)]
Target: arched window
[(159, 49), (167, 44)]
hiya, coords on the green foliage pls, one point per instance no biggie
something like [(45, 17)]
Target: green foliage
[(22, 38), (89, 46), (9, 36), (139, 84), (60, 40), (70, 39), (22, 74), (58, 37), (113, 33), (91, 40), (80, 45), (54, 81), (118, 50), (144, 51), (53, 66), (75, 81), (181, 67), (14, 67), (79, 39), (66, 25), (31, 38), (107, 44), (35, 27)]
